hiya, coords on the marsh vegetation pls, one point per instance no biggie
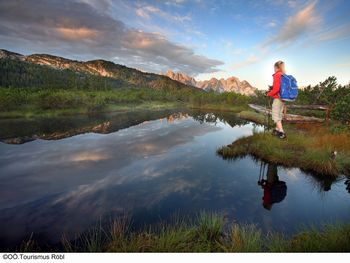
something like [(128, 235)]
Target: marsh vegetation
[(207, 232)]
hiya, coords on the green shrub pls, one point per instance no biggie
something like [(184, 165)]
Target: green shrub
[(341, 110), (11, 99)]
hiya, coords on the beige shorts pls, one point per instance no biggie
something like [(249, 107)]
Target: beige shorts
[(277, 110)]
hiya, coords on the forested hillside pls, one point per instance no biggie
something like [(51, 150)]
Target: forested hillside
[(24, 74), (42, 82)]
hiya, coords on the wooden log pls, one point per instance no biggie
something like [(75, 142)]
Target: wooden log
[(259, 108), (288, 117), (326, 108), (308, 107)]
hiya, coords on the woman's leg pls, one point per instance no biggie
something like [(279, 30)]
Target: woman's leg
[(277, 113), (281, 113), (279, 126)]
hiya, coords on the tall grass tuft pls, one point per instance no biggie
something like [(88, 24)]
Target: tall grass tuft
[(247, 238), (29, 245), (174, 237), (209, 226), (331, 238)]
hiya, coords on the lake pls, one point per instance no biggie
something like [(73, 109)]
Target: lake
[(66, 174)]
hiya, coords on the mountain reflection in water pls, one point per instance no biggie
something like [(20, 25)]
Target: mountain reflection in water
[(19, 131)]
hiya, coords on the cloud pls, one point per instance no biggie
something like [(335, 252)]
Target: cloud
[(151, 45), (307, 27), (339, 32), (251, 59), (101, 5), (272, 24), (80, 30), (77, 33), (177, 3), (292, 3), (145, 11), (296, 26)]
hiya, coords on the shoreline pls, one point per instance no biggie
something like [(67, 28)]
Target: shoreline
[(19, 114), (208, 232)]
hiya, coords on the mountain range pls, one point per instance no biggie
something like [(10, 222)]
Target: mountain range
[(43, 70), (118, 75), (231, 84)]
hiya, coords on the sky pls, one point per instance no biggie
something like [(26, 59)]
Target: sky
[(202, 38)]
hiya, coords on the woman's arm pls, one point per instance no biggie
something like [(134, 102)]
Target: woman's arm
[(276, 85)]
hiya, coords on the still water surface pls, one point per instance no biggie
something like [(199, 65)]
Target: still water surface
[(62, 175)]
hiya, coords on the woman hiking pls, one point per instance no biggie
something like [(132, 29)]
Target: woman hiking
[(278, 104)]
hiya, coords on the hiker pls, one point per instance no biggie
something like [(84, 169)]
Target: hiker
[(274, 189), (278, 104)]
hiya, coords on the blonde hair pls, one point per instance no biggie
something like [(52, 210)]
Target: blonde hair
[(280, 65)]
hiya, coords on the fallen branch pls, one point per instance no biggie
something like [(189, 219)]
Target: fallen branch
[(287, 117)]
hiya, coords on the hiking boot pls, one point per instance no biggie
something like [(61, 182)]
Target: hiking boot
[(282, 135), (275, 132)]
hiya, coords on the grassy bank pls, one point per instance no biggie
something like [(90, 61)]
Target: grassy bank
[(209, 232), (308, 146), (31, 112), (252, 116), (225, 107)]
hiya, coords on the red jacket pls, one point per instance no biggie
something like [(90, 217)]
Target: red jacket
[(275, 92)]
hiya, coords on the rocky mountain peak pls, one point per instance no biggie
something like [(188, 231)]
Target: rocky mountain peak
[(181, 77), (231, 84), (5, 54)]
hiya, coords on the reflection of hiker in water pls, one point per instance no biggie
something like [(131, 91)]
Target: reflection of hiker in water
[(274, 189), (347, 183)]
